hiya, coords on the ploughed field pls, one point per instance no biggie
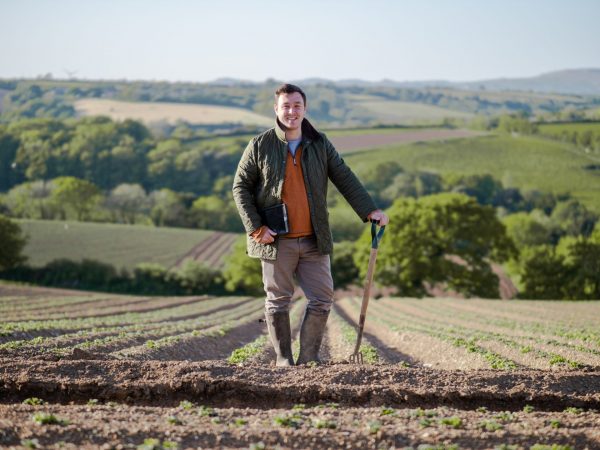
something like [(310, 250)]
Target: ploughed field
[(89, 370)]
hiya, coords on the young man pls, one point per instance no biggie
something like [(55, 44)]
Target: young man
[(291, 164)]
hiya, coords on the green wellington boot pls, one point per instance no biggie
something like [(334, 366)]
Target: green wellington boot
[(311, 335), (278, 324)]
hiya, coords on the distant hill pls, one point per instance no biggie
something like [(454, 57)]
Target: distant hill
[(333, 104), (569, 82), (572, 81)]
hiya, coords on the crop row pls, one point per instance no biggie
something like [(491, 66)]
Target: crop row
[(523, 342), (60, 326), (109, 307), (259, 349), (122, 336), (472, 339), (522, 323)]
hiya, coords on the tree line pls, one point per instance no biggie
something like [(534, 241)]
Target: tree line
[(99, 170)]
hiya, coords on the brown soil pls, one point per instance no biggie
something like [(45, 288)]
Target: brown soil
[(148, 392), (417, 349), (347, 144), (112, 402)]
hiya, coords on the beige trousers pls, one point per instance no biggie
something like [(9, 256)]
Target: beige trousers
[(298, 257)]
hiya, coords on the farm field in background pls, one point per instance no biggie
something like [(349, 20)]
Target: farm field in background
[(556, 130), (408, 113), (152, 112), (196, 371), (354, 142), (123, 246), (525, 162)]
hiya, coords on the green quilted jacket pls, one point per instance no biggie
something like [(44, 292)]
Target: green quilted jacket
[(259, 180)]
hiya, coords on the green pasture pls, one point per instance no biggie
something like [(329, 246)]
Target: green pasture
[(369, 131), (557, 129), (523, 162), (123, 246), (393, 111)]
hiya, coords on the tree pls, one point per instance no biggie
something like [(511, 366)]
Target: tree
[(13, 243), (574, 218), (544, 274), (32, 200), (241, 272), (127, 202), (440, 239), (526, 231), (79, 195), (213, 213), (343, 267), (167, 209)]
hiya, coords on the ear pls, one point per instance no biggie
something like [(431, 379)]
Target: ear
[(275, 108)]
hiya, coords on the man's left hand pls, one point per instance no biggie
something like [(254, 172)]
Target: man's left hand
[(379, 216)]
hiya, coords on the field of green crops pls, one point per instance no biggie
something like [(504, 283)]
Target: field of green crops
[(84, 370), (524, 162), (123, 246), (557, 129)]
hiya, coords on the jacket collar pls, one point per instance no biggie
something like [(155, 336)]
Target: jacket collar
[(309, 133)]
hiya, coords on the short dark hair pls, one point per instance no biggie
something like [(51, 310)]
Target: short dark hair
[(289, 89)]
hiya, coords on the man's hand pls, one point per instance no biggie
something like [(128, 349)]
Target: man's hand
[(379, 216), (264, 235)]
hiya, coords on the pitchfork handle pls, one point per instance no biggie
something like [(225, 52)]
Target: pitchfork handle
[(376, 238)]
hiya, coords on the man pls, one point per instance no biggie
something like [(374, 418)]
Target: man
[(291, 164)]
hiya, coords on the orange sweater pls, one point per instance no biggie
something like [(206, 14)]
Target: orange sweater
[(294, 196)]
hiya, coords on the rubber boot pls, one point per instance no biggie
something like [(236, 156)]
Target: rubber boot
[(311, 335), (278, 324)]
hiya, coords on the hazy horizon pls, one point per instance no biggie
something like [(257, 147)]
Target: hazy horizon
[(199, 41)]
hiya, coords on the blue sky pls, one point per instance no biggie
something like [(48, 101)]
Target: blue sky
[(197, 40)]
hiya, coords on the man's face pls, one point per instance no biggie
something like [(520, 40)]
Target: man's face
[(290, 110)]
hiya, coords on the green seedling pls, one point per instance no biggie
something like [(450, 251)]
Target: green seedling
[(186, 405), (30, 443), (555, 423), (174, 420), (491, 425), (241, 355), (112, 404), (419, 412), (325, 424), (426, 422), (155, 444), (482, 409), (299, 407), (34, 401), (206, 411), (454, 421), (288, 421), (374, 426), (387, 411), (240, 422), (573, 410), (528, 409), (505, 416), (92, 402), (258, 446), (48, 419), (216, 420), (506, 447)]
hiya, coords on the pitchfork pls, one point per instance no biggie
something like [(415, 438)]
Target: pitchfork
[(357, 356)]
